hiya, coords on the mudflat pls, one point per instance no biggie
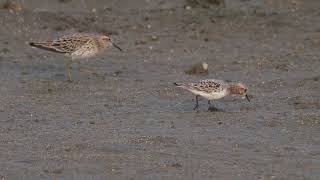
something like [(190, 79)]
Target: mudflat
[(122, 117)]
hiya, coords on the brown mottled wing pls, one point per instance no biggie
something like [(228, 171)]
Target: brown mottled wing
[(69, 44), (208, 86), (46, 46), (66, 44)]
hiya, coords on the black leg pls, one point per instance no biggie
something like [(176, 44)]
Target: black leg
[(197, 102), (209, 102)]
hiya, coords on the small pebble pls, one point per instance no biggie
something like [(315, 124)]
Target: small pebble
[(188, 7), (199, 68), (140, 42), (154, 37)]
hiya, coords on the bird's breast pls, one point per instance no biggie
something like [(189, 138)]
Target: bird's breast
[(218, 95), (85, 52)]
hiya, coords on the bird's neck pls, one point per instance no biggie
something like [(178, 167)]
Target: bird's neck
[(101, 44), (234, 89)]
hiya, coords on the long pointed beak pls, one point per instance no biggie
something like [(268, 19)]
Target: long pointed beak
[(247, 98), (116, 46)]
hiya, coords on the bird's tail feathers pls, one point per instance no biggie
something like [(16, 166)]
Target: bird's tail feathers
[(181, 85), (39, 44), (45, 46)]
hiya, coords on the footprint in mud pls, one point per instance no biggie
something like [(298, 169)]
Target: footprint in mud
[(154, 140), (300, 102), (53, 171), (210, 109)]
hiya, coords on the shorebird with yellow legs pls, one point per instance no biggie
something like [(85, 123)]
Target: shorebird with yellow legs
[(77, 46)]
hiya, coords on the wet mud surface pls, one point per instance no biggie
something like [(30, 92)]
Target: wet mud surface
[(122, 118)]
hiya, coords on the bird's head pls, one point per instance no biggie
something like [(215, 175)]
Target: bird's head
[(240, 89), (108, 40)]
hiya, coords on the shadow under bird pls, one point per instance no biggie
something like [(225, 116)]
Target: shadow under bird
[(213, 89), (77, 46)]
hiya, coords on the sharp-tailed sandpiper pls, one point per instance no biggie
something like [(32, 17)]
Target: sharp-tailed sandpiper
[(80, 45)]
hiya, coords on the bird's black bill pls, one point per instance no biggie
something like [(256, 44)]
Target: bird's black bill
[(116, 46), (247, 98)]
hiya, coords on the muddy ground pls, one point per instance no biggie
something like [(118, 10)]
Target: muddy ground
[(122, 118)]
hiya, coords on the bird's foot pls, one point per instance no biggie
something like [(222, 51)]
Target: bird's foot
[(212, 109)]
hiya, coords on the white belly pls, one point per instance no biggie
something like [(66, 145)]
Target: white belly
[(210, 96)]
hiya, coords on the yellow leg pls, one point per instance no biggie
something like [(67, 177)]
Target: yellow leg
[(68, 69)]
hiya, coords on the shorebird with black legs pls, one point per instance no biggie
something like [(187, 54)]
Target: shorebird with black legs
[(212, 89)]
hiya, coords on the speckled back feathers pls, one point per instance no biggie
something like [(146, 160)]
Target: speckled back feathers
[(208, 85), (78, 45)]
